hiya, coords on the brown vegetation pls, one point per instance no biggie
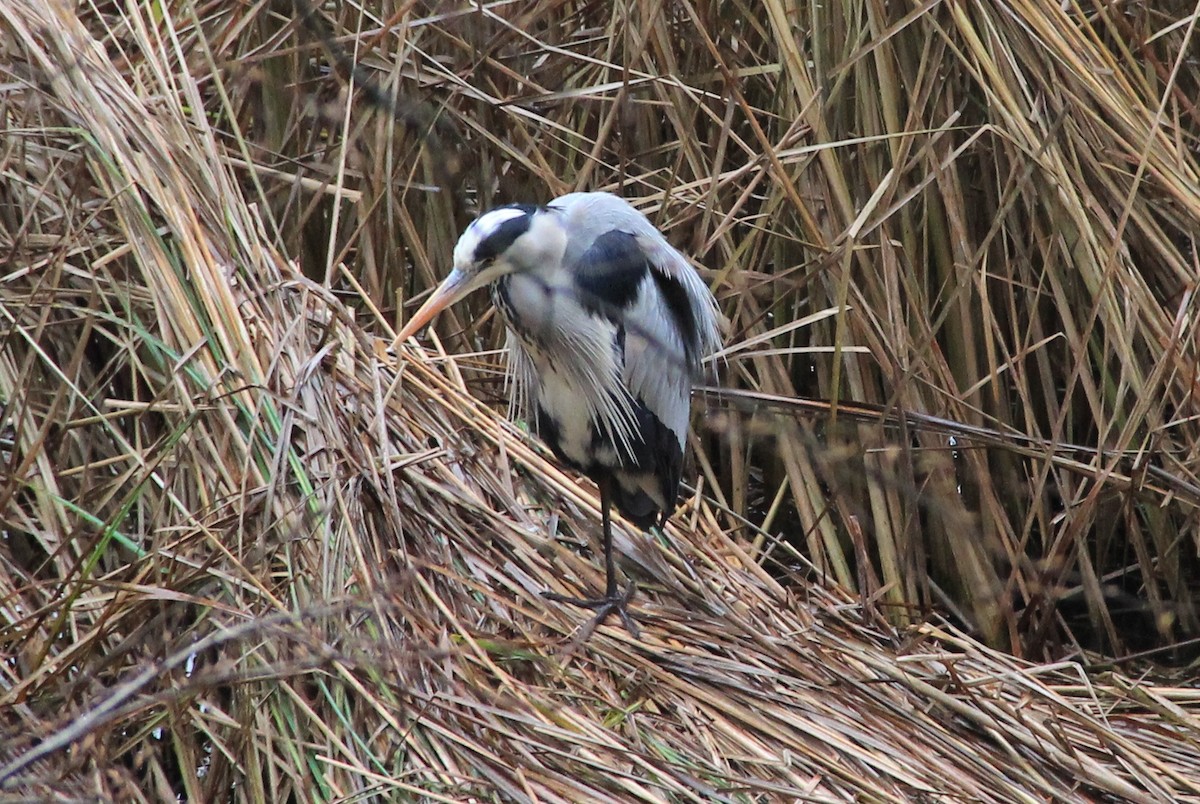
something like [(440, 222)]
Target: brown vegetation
[(247, 553)]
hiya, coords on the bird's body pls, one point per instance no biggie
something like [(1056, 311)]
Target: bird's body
[(607, 326)]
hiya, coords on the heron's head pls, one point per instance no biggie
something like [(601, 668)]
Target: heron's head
[(508, 240)]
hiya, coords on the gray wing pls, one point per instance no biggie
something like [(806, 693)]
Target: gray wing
[(624, 246), (627, 271)]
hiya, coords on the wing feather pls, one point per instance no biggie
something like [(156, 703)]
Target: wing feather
[(629, 333)]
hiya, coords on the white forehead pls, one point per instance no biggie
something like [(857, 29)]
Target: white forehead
[(489, 222)]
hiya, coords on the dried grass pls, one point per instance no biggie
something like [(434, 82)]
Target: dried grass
[(248, 554)]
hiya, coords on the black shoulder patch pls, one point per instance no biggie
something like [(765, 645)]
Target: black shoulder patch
[(506, 233), (609, 273), (676, 297)]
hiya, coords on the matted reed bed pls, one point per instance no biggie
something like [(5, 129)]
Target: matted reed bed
[(248, 552)]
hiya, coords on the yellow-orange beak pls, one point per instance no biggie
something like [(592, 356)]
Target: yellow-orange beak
[(455, 286)]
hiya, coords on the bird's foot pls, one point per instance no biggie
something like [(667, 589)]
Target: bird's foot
[(604, 607)]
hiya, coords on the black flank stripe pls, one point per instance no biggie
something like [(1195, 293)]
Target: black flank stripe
[(676, 297), (548, 430)]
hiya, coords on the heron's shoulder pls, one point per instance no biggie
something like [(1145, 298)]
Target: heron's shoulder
[(595, 202), (590, 214), (614, 247), (608, 270)]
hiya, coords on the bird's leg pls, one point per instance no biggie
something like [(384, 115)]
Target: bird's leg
[(610, 563), (613, 600)]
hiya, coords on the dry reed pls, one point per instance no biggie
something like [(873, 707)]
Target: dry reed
[(249, 554)]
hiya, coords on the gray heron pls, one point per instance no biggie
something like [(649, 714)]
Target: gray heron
[(607, 327)]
